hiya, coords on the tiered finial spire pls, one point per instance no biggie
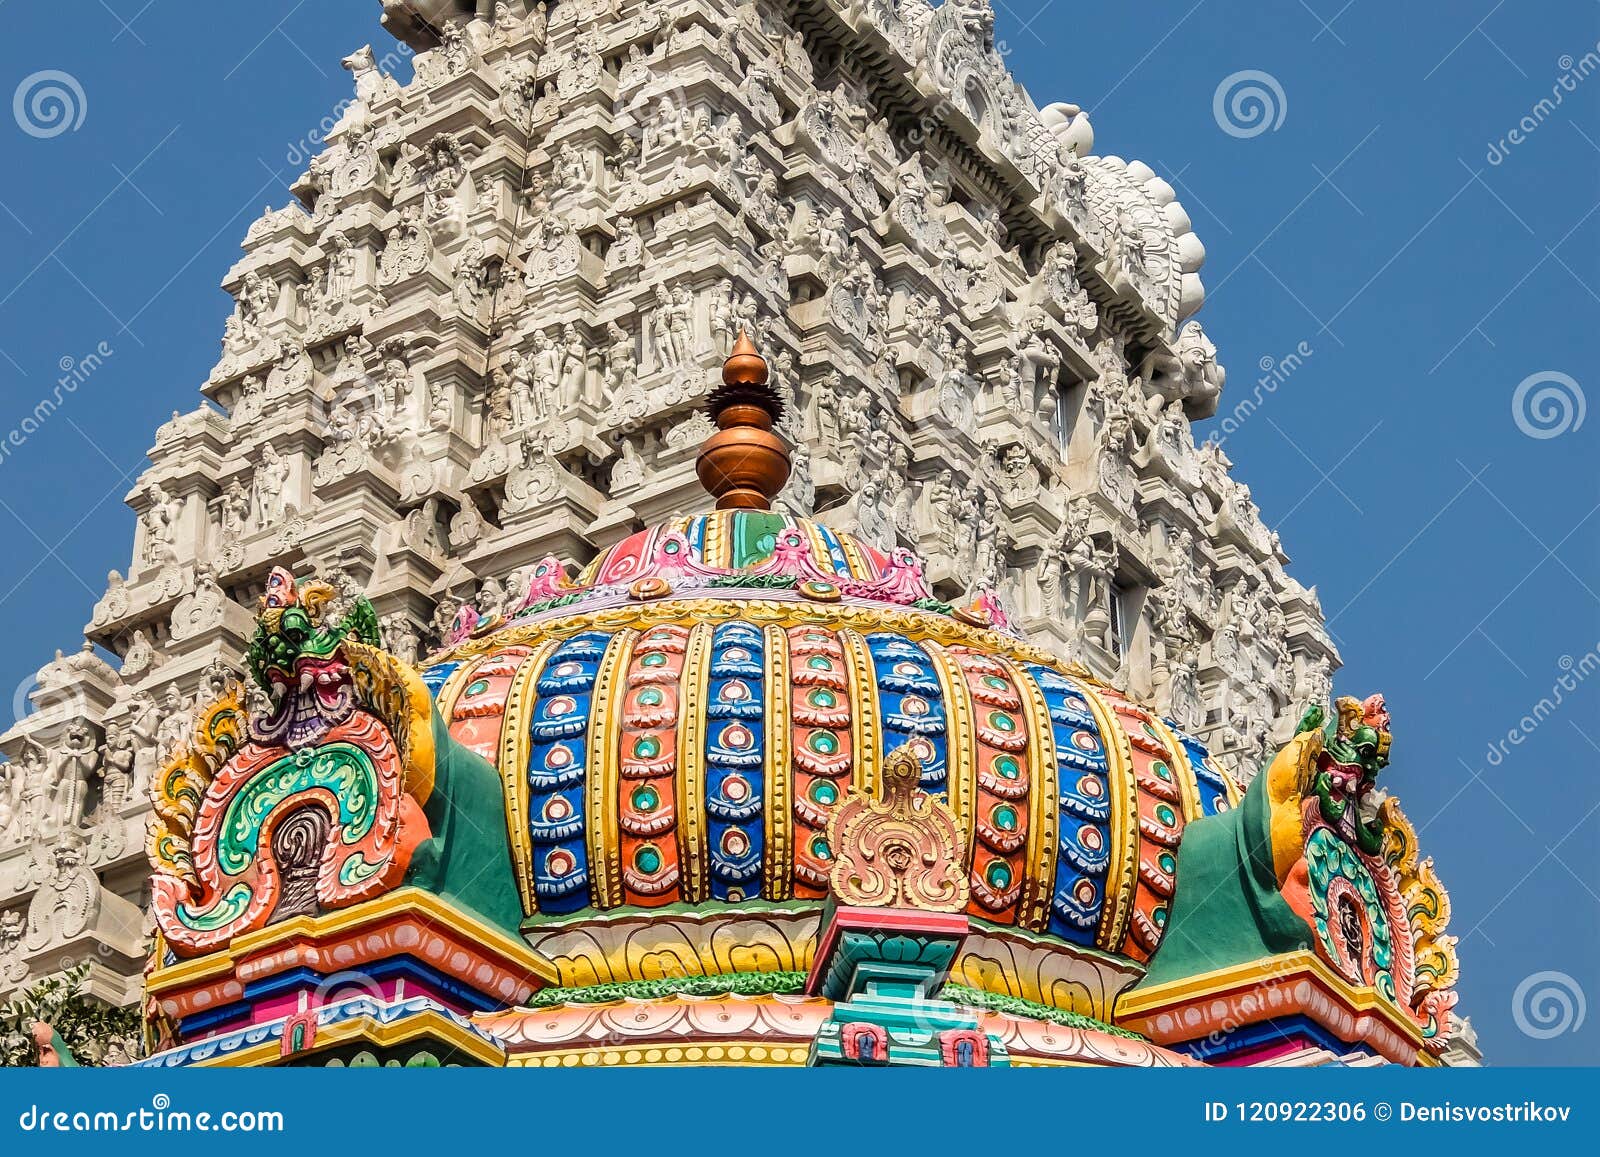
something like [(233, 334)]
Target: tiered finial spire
[(744, 464)]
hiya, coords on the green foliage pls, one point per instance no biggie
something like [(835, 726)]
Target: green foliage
[(741, 984), (759, 582), (789, 983), (551, 604), (960, 994), (95, 1032)]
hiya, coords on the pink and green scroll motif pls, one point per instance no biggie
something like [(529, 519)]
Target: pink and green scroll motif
[(281, 833)]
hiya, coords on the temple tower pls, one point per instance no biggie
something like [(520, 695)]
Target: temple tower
[(485, 327)]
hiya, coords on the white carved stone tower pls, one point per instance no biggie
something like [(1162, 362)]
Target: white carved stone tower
[(483, 328)]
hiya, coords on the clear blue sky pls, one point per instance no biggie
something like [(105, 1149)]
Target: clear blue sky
[(1455, 554)]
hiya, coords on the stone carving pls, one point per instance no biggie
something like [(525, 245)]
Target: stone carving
[(75, 764), (13, 967), (407, 248), (271, 487), (69, 897), (176, 718), (161, 515)]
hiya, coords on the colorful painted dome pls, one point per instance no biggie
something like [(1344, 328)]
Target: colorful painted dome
[(675, 727), (748, 765)]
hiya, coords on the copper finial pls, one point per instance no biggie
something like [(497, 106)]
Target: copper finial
[(744, 464)]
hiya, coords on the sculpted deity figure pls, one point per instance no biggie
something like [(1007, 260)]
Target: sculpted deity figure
[(988, 564), (500, 417), (622, 356), (250, 404), (10, 786), (491, 599), (898, 485), (75, 765), (872, 520), (271, 487), (571, 170), (723, 320), (1040, 362), (1020, 478), (574, 373), (176, 720), (1203, 375), (683, 321), (13, 968), (143, 726), (32, 790), (1049, 572), (546, 356), (117, 759), (292, 371), (401, 637), (968, 519), (161, 525), (234, 510), (661, 330), (397, 384), (524, 403), (955, 384), (340, 277), (1183, 693), (939, 506), (627, 250), (664, 131), (258, 297)]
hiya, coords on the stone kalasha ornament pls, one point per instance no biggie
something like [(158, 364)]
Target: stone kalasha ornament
[(902, 850), (317, 805)]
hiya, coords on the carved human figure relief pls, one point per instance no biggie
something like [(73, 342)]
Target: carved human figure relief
[(271, 487), (161, 516)]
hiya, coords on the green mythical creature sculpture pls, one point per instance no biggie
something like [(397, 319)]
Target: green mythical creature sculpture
[(1355, 749), (297, 657), (348, 733), (1311, 860)]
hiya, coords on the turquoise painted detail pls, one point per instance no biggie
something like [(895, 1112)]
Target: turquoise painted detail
[(338, 768)]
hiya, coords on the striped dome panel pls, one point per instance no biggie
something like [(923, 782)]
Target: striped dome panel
[(689, 762)]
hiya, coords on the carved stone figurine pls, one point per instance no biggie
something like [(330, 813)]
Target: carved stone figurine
[(271, 487), (117, 758), (75, 764)]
